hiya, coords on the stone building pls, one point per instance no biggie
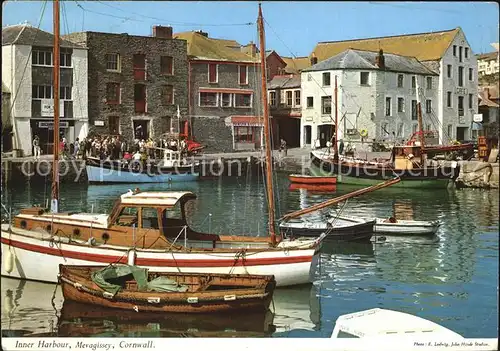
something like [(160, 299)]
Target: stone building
[(225, 106), (448, 54), (27, 73), (376, 92), (135, 83)]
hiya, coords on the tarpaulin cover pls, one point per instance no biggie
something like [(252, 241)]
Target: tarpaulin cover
[(162, 284)]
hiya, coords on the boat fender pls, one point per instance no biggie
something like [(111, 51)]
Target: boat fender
[(8, 260), (135, 308), (131, 256), (153, 300), (193, 299), (91, 241)]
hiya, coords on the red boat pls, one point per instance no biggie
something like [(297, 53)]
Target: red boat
[(319, 188), (307, 179)]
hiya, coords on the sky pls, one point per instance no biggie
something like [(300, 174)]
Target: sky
[(293, 28)]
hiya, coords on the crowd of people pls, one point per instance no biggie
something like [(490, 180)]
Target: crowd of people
[(113, 148)]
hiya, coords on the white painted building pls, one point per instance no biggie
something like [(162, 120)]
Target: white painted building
[(27, 71), (377, 98), (488, 63), (448, 54)]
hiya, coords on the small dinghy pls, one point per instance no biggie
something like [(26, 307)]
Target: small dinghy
[(342, 228), (379, 322), (134, 288), (391, 226), (309, 179)]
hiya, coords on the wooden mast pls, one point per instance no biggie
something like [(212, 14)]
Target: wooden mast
[(336, 142), (54, 206), (420, 123), (336, 200), (267, 134)]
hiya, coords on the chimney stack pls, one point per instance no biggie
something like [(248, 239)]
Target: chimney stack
[(380, 59), (162, 32), (250, 49), (314, 59), (205, 34)]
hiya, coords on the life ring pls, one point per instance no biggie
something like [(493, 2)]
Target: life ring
[(363, 132)]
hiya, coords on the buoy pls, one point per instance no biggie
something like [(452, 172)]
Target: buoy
[(8, 260), (131, 258), (363, 132)]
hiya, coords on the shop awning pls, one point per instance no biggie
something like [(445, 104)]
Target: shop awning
[(247, 121)]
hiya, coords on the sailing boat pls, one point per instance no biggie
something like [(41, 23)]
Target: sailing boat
[(149, 229), (407, 162)]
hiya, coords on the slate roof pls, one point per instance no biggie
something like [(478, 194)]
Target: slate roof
[(285, 82), (488, 56), (423, 46), (202, 47), (296, 64), (365, 60), (25, 34)]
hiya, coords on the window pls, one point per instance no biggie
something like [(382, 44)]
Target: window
[(167, 65), (401, 104), (227, 99), (127, 217), (168, 94), (208, 99), (413, 81), (460, 76), (399, 132), (246, 134), (139, 64), (460, 105), (113, 93), (414, 110), (41, 57), (400, 80), (65, 93), (213, 73), (113, 62), (460, 54), (466, 52), (149, 218), (326, 105), (243, 69), (429, 83), (448, 99), (471, 74), (297, 97), (310, 101), (471, 101), (428, 106), (450, 131), (454, 50), (242, 100), (364, 78), (41, 92), (326, 79), (383, 130), (387, 106), (114, 124), (272, 98), (289, 98), (449, 69), (414, 128), (65, 58)]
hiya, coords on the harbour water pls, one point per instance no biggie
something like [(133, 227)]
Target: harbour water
[(451, 279)]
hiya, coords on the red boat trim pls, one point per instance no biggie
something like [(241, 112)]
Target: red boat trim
[(156, 262)]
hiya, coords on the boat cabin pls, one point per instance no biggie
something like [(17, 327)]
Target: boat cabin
[(407, 157), (149, 220)]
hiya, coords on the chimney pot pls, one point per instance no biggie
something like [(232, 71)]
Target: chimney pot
[(314, 60), (162, 32)]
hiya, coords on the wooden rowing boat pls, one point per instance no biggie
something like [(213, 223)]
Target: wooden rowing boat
[(406, 227), (308, 179), (136, 289), (319, 188)]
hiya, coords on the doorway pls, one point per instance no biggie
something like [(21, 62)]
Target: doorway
[(461, 133), (307, 135), (141, 129), (325, 133)]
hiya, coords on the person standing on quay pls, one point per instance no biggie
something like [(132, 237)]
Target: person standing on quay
[(36, 147)]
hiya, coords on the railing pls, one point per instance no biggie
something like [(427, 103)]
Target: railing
[(184, 229)]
